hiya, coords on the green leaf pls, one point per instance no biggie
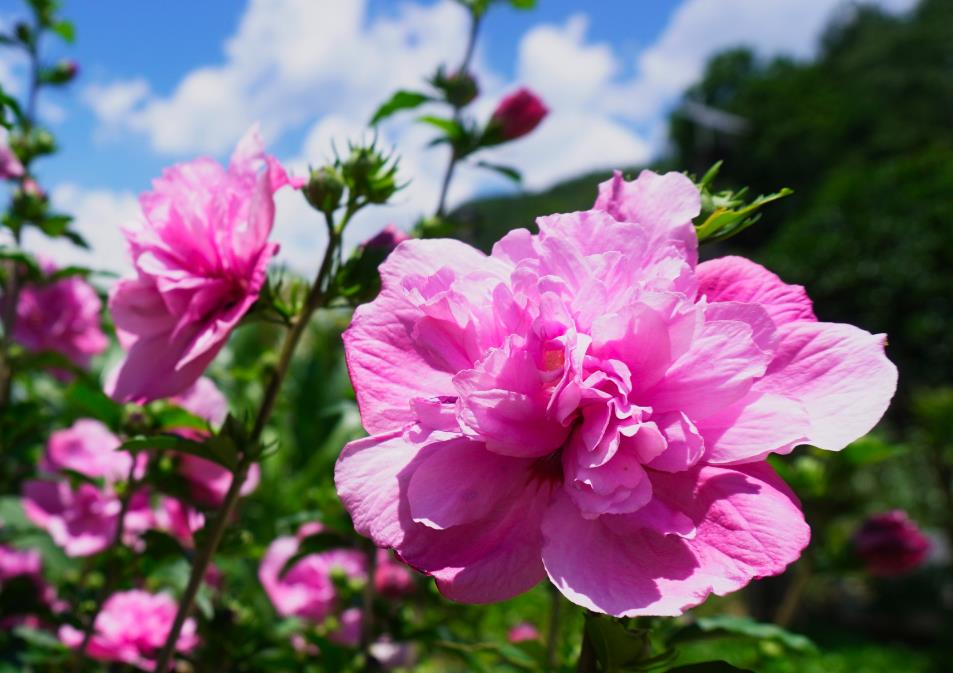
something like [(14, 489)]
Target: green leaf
[(451, 128), (709, 667), (65, 30), (401, 100), (523, 4), (171, 417), (743, 626), (55, 225), (217, 449), (726, 222), (616, 646), (93, 402), (505, 171)]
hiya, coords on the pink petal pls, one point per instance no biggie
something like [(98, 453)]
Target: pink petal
[(753, 427), (387, 369), (460, 482), (840, 374), (739, 279)]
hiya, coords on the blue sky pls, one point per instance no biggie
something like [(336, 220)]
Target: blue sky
[(165, 81)]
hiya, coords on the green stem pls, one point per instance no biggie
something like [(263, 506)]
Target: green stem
[(316, 298), (457, 112), (553, 628), (588, 661)]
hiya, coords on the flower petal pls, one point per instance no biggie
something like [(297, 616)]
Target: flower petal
[(739, 279)]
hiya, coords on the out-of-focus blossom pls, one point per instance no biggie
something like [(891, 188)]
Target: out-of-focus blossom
[(891, 544), (592, 405), (82, 521), (518, 114), (131, 629), (89, 448), (205, 400), (26, 565), (391, 655), (10, 166), (386, 239), (200, 252), (209, 482), (392, 578), (62, 317), (349, 632), (178, 520), (307, 589), (522, 632)]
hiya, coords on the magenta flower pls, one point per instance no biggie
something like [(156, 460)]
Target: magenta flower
[(62, 317), (89, 448), (178, 520), (393, 579), (306, 590), (518, 114), (386, 239), (586, 404), (522, 632), (891, 544), (200, 255), (131, 628), (82, 521), (10, 166)]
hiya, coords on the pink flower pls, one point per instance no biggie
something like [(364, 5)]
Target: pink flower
[(386, 239), (205, 400), (62, 317), (83, 521), (522, 632), (178, 520), (25, 564), (10, 166), (891, 544), (209, 482), (89, 448), (131, 628), (587, 405), (518, 114), (200, 255), (392, 578), (306, 590)]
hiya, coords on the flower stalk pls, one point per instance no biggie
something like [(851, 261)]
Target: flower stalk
[(317, 297)]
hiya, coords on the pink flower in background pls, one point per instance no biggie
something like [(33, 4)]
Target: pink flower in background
[(306, 590), (82, 521), (522, 632), (200, 254), (131, 628), (10, 166), (386, 239), (205, 400), (588, 405), (89, 448), (891, 544), (518, 114), (25, 564), (178, 520), (62, 317), (209, 482), (393, 579)]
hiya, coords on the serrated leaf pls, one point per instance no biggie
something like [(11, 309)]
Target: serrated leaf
[(505, 171), (401, 100), (213, 449)]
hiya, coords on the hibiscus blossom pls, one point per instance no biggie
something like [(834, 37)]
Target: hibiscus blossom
[(200, 255), (592, 405)]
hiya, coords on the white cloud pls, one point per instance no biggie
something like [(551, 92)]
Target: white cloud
[(320, 67)]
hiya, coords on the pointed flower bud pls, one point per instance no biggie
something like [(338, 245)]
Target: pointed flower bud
[(891, 544), (517, 115)]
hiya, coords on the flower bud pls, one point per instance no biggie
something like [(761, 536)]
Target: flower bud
[(369, 174), (10, 166), (385, 240), (522, 632), (516, 115), (324, 189), (61, 73), (359, 278), (890, 544), (459, 88)]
